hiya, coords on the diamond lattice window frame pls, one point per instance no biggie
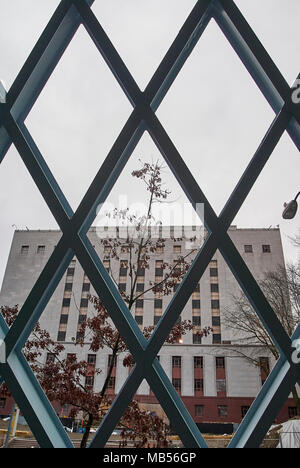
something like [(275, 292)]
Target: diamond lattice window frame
[(15, 105)]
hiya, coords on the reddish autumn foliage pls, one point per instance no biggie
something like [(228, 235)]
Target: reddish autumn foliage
[(63, 378)]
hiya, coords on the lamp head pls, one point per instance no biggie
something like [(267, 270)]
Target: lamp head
[(290, 210)]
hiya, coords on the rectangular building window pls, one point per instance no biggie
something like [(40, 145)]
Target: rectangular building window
[(177, 384), (140, 271), (139, 319), (266, 248), (122, 287), (221, 385), (216, 321), (123, 267), (198, 362), (2, 403), (68, 286), (196, 320), (213, 272), (215, 304), (139, 303), (89, 381), (176, 361), (292, 412), (177, 249), (64, 318), (41, 249), (248, 248), (222, 411), (50, 357), (197, 339), (61, 336), (214, 288), (156, 319), (195, 304), (70, 271), (220, 362), (216, 338), (159, 272), (24, 249), (66, 302), (140, 287), (84, 302), (198, 385), (86, 287), (112, 383), (199, 410), (91, 359)]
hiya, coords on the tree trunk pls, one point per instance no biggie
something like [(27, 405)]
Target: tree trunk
[(296, 400), (87, 431)]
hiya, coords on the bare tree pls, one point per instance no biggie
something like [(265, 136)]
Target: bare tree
[(282, 290), (296, 240)]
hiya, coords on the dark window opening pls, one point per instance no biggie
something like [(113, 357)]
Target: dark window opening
[(176, 361), (64, 318), (216, 321), (214, 288), (198, 362), (61, 336)]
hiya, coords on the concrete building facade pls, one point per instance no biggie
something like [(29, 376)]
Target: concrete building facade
[(216, 382)]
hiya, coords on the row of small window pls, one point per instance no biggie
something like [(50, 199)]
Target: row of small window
[(40, 249), (91, 358), (198, 385), (176, 360), (158, 303), (198, 362), (197, 340), (266, 248), (158, 249), (196, 321), (176, 382), (248, 248), (159, 271), (222, 411), (140, 287), (83, 302)]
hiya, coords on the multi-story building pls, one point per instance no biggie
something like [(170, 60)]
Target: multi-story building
[(216, 382)]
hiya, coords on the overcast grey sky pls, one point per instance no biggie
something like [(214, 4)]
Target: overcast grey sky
[(214, 112)]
